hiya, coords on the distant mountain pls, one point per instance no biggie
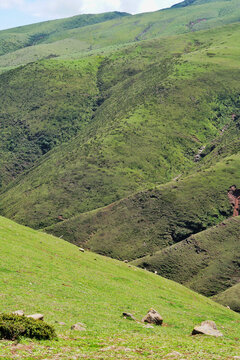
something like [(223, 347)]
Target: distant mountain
[(74, 37), (184, 3)]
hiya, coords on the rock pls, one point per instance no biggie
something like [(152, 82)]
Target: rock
[(36, 316), (18, 312), (153, 317), (173, 355), (236, 357), (125, 261), (129, 316), (60, 323), (207, 328), (82, 250), (78, 327)]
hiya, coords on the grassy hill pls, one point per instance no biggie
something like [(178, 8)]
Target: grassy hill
[(207, 262), (42, 105), (30, 35), (154, 219), (41, 273), (86, 34), (158, 103), (230, 297)]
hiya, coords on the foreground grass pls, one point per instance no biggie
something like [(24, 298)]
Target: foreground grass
[(41, 273)]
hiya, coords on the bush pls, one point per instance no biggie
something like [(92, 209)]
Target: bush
[(14, 326)]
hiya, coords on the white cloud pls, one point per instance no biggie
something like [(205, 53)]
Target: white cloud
[(10, 4), (51, 9)]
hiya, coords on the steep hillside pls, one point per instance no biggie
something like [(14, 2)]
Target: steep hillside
[(152, 117), (154, 219), (74, 37), (42, 105), (44, 274), (207, 262), (230, 297)]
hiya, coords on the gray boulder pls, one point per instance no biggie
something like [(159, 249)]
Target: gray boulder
[(153, 317), (36, 316), (207, 327)]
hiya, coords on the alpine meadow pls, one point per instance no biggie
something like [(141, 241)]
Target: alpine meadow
[(120, 185)]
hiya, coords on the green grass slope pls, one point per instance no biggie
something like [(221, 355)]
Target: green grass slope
[(30, 35), (230, 297), (43, 105), (154, 219), (87, 33), (159, 102), (44, 274), (207, 262)]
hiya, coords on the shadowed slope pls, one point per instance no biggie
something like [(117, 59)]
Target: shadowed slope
[(230, 297), (207, 262), (152, 220), (42, 105)]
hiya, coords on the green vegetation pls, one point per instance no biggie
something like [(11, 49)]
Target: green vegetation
[(150, 119), (86, 34), (43, 105), (51, 276), (230, 297), (102, 119), (151, 220), (30, 35), (206, 262), (13, 327)]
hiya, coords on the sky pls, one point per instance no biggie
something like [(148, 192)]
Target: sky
[(22, 12)]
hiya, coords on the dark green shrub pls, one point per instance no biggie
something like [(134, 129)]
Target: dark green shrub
[(14, 326)]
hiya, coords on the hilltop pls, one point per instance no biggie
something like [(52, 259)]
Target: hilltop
[(83, 35), (51, 276)]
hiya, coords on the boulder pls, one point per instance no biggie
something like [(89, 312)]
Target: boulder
[(82, 250), (18, 312), (129, 316), (78, 327), (36, 316), (153, 317), (207, 327)]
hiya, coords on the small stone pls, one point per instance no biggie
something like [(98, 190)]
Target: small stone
[(60, 323), (125, 261), (236, 357), (207, 327), (78, 327), (82, 250), (128, 316), (153, 317), (18, 312), (36, 316), (174, 355), (148, 326)]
